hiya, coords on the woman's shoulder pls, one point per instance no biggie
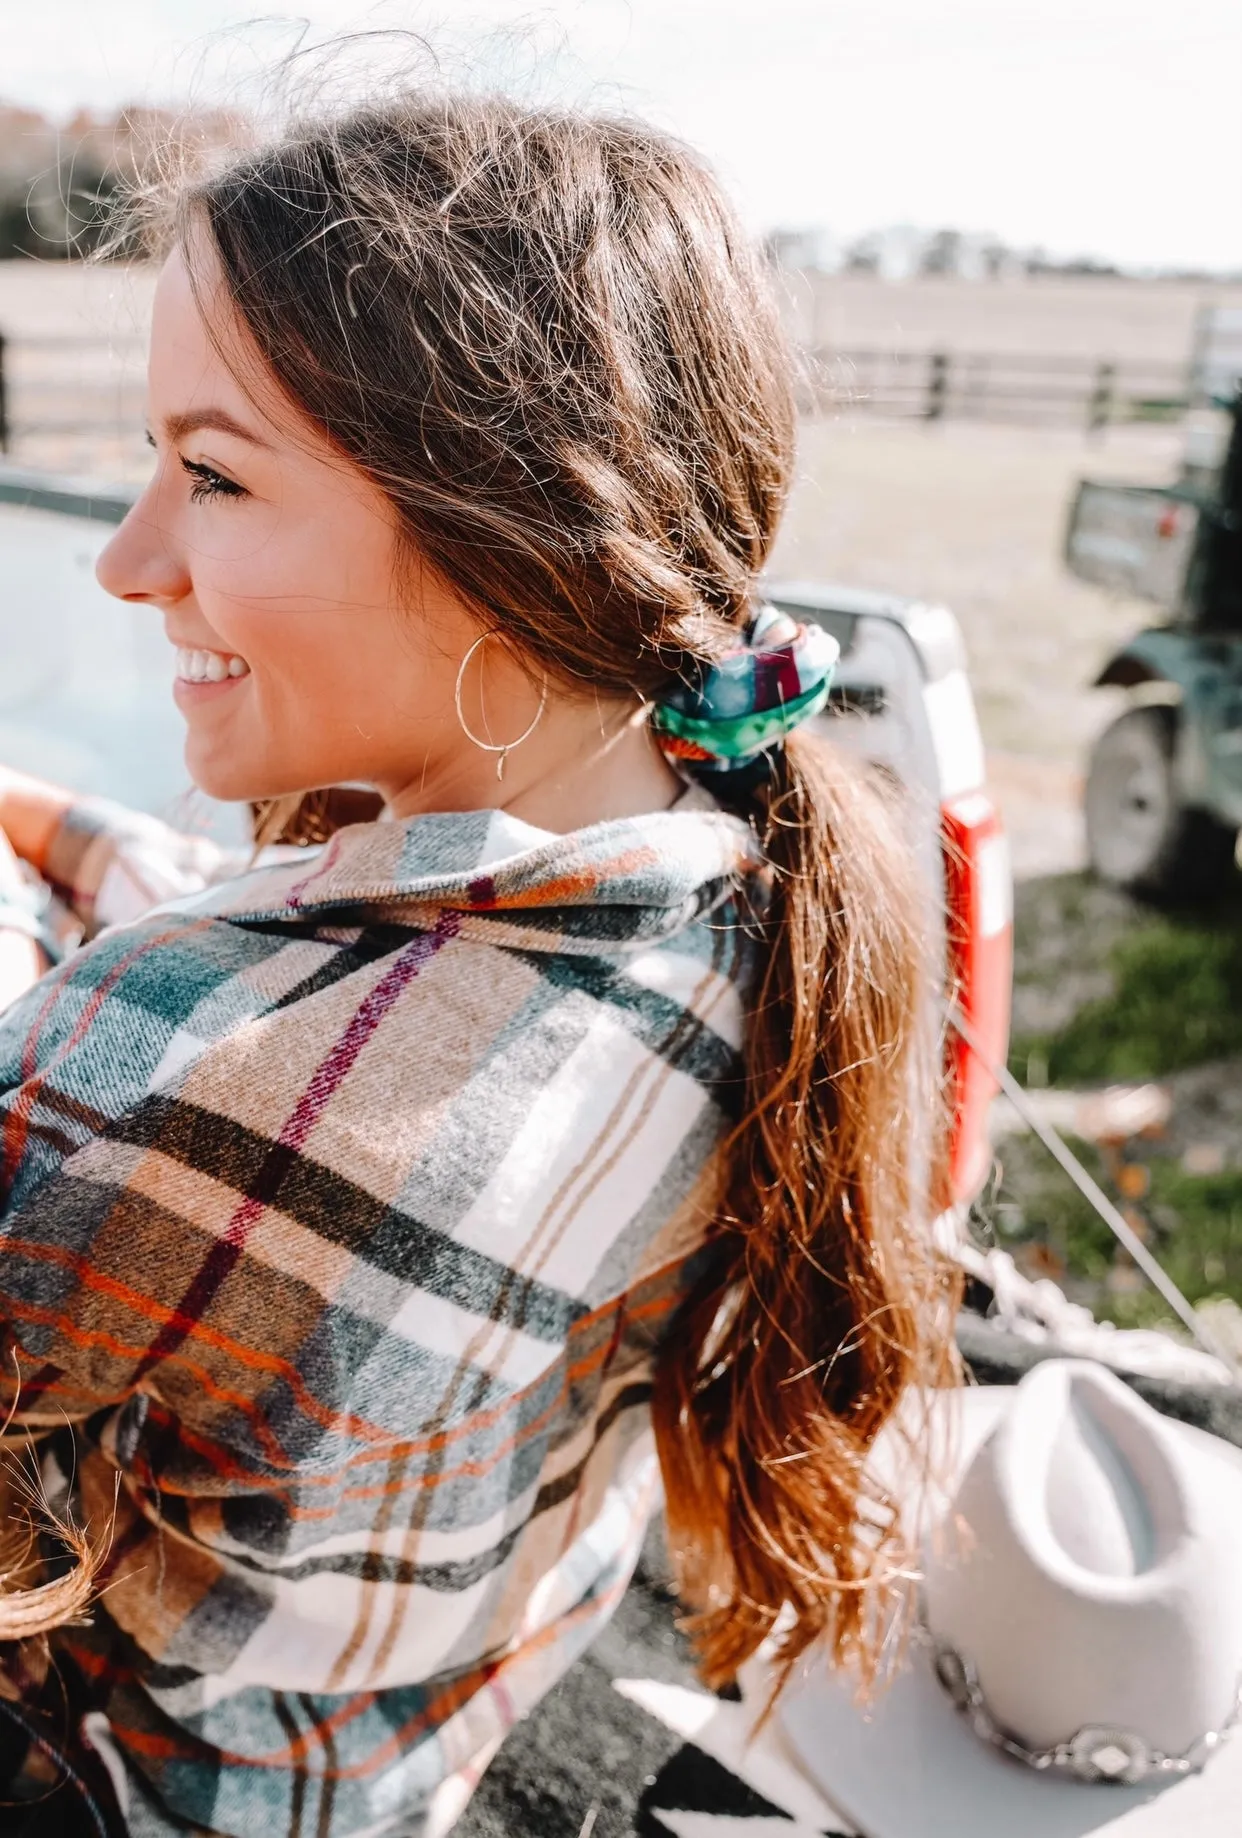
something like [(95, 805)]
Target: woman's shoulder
[(464, 972), (400, 1103)]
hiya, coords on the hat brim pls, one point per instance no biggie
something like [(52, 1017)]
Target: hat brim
[(910, 1766)]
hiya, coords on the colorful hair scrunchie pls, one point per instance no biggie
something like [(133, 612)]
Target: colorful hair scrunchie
[(746, 702)]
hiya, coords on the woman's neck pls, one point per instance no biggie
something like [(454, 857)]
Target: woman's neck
[(581, 765)]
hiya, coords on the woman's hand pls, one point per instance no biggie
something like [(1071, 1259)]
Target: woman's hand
[(30, 813)]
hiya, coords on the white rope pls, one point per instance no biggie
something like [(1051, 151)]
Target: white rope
[(1095, 1195), (1034, 1309)]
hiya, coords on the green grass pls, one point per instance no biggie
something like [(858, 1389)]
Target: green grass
[(1130, 992), (1201, 1243), (1197, 1221), (1152, 408), (1176, 1002)]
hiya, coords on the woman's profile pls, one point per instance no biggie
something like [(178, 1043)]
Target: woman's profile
[(372, 1214)]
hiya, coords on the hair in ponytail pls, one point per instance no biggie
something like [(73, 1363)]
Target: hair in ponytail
[(827, 1301), (544, 335)]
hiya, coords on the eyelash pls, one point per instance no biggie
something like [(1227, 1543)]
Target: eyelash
[(209, 484)]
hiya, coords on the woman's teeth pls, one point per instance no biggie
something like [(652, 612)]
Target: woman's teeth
[(209, 666)]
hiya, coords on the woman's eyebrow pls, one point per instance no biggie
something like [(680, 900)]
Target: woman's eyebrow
[(190, 421)]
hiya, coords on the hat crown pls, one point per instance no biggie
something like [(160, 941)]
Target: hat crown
[(1099, 1512), (1088, 1568)]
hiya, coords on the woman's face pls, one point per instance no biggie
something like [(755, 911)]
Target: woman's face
[(298, 659)]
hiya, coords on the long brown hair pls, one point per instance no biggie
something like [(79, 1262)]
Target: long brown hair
[(545, 336)]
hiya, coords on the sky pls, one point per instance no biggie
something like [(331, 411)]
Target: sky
[(1104, 127)]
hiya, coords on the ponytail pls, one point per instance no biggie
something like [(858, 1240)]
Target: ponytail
[(826, 1299)]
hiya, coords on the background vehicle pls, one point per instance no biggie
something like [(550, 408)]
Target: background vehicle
[(901, 698), (84, 699), (1164, 783)]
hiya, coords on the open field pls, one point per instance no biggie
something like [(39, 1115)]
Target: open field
[(1125, 322), (45, 299)]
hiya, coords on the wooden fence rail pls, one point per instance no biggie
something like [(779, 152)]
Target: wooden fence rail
[(992, 386), (86, 394)]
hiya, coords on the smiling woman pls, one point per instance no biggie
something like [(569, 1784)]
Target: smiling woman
[(265, 549), (371, 1214)]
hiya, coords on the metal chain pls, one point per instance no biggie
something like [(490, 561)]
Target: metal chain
[(1098, 1752)]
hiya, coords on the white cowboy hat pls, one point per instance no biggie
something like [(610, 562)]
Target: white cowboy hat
[(1079, 1660)]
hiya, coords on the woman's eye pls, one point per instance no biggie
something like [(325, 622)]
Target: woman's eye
[(209, 483)]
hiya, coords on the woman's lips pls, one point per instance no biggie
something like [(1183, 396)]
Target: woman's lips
[(188, 694)]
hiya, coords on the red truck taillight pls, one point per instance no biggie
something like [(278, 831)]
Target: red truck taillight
[(979, 926)]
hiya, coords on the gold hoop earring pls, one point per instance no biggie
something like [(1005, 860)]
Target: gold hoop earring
[(488, 746)]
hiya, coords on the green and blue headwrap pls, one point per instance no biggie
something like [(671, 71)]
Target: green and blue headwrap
[(739, 708)]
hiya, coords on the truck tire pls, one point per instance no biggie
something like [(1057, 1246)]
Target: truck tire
[(1139, 835)]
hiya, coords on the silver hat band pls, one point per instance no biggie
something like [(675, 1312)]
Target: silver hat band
[(1096, 1753)]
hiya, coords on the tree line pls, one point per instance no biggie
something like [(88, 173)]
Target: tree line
[(64, 186)]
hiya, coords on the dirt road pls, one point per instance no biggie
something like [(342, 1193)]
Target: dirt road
[(974, 516)]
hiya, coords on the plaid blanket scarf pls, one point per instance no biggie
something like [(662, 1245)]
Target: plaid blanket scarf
[(343, 1203)]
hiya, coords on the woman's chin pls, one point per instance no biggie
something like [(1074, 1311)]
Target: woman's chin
[(227, 780)]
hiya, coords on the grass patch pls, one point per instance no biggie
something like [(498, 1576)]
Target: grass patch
[(1200, 1222), (1153, 408), (1176, 1001), (1197, 1221), (1111, 990)]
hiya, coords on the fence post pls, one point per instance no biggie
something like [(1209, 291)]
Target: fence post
[(4, 402), (937, 386), (1100, 405)]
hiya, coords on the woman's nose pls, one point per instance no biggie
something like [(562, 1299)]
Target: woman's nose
[(141, 561)]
